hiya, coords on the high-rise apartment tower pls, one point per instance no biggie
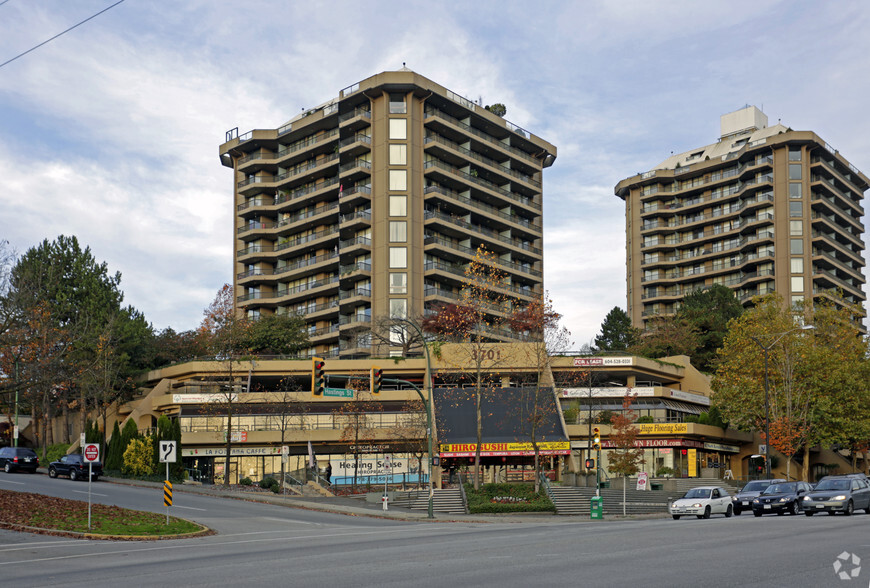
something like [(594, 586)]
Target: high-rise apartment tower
[(763, 209), (372, 204)]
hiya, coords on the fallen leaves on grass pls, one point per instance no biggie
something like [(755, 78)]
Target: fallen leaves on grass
[(61, 514)]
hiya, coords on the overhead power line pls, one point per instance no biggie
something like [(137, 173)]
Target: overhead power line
[(59, 34)]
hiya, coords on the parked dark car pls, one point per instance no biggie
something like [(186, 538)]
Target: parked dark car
[(743, 499), (845, 494), (13, 459), (75, 466), (781, 498)]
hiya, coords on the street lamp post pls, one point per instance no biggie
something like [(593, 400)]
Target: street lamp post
[(766, 350)]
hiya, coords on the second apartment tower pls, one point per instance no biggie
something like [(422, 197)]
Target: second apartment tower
[(371, 205)]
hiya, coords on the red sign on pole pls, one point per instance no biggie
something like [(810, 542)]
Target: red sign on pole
[(92, 452)]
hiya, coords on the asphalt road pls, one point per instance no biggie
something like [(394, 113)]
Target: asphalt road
[(261, 544)]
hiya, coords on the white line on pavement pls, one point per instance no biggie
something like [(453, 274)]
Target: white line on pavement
[(92, 493), (189, 507)]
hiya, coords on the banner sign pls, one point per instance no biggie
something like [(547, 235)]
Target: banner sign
[(607, 444), (721, 447), (663, 428), (690, 397), (606, 392), (693, 463), (204, 398), (504, 449), (600, 361)]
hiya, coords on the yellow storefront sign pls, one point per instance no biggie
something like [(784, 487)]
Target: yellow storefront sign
[(693, 463), (486, 447), (663, 428)]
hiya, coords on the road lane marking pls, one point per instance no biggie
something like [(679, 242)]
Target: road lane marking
[(189, 507), (11, 482), (103, 553), (290, 521), (91, 493)]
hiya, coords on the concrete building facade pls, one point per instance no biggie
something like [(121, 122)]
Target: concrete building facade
[(371, 205), (763, 209)]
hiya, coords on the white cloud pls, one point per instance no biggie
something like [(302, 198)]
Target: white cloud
[(112, 130)]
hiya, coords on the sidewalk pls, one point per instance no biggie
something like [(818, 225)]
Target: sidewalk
[(359, 507)]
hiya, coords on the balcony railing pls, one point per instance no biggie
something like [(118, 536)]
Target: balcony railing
[(307, 286), (284, 196), (434, 138), (434, 112), (477, 229), (306, 238), (455, 245), (466, 201), (469, 178), (458, 269)]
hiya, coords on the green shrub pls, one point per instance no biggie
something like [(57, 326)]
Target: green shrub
[(495, 498), (645, 419), (267, 482), (53, 453), (138, 457), (246, 481), (276, 488)]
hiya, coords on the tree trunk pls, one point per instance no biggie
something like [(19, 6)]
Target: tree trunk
[(66, 421), (479, 440), (806, 465)]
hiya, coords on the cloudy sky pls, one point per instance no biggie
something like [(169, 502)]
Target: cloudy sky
[(111, 131)]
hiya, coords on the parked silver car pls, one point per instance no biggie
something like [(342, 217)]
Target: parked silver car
[(845, 494)]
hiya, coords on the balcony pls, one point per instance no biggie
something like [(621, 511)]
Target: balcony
[(434, 239), (295, 291), (434, 113), (467, 202), (470, 179), (308, 263), (458, 270), (469, 154), (305, 239), (466, 228)]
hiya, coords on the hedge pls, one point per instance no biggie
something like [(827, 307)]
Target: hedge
[(486, 500)]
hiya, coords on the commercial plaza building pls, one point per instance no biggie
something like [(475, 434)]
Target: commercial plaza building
[(279, 410), (763, 209), (372, 204)]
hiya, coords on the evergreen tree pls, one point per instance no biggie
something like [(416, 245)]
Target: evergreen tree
[(617, 334), (708, 312), (113, 455)]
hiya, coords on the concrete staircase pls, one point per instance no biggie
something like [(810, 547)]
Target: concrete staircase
[(446, 501), (570, 500)]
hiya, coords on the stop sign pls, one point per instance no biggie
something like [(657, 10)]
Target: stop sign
[(92, 452)]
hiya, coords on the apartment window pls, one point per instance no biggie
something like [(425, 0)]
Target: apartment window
[(398, 206), (398, 283), (398, 257), (795, 190), (795, 209), (796, 228), (397, 104), (797, 246), (398, 179), (398, 308), (398, 154), (398, 231), (797, 265), (797, 301), (794, 154), (794, 171), (797, 283), (398, 128)]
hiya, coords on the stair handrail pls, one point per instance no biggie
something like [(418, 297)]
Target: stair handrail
[(462, 493), (293, 481), (545, 482)]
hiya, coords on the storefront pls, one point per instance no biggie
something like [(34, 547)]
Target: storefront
[(678, 457)]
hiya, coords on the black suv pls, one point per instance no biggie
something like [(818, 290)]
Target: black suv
[(75, 466), (18, 458), (845, 494)]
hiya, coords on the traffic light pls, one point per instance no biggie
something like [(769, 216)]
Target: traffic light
[(596, 439), (318, 380), (590, 464), (376, 379)]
